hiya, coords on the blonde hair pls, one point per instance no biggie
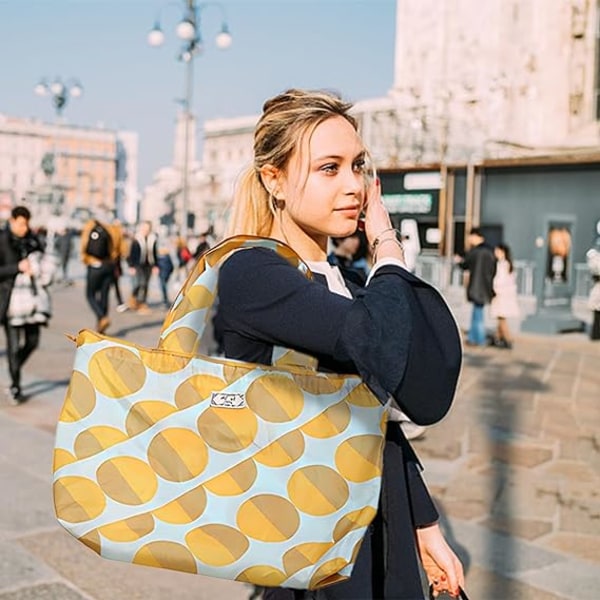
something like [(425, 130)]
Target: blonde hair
[(285, 121)]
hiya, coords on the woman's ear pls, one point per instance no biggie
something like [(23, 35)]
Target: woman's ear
[(269, 175)]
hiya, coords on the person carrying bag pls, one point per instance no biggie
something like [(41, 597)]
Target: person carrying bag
[(281, 463)]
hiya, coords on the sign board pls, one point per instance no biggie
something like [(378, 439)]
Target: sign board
[(423, 181), (421, 204)]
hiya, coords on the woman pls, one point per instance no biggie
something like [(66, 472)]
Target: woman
[(307, 184), (504, 304), (29, 306)]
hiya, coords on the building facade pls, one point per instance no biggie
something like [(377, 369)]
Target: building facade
[(477, 86), (67, 170)]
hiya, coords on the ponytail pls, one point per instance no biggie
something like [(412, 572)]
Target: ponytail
[(251, 212)]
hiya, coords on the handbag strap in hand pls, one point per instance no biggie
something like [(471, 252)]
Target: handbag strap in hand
[(446, 596)]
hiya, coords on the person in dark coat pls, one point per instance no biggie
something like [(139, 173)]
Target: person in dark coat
[(16, 243), (480, 262), (307, 184)]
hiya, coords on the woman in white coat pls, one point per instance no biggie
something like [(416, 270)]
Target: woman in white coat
[(504, 304)]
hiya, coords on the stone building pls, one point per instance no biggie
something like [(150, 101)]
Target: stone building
[(67, 170)]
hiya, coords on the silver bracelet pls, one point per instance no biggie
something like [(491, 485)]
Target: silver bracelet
[(395, 240), (378, 239)]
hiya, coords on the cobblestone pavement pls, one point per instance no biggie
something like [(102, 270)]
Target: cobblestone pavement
[(514, 468)]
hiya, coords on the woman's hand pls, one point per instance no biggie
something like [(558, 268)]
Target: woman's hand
[(377, 218), (442, 566)]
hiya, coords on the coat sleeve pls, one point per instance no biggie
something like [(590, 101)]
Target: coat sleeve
[(393, 334)]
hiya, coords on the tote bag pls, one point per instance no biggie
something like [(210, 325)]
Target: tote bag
[(169, 458)]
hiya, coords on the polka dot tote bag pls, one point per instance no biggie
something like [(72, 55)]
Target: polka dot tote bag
[(170, 458)]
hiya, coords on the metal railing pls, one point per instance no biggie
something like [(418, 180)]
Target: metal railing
[(443, 273)]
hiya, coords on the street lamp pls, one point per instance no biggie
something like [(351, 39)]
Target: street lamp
[(60, 92), (189, 31)]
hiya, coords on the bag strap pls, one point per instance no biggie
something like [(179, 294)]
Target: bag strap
[(191, 311)]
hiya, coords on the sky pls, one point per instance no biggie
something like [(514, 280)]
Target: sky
[(345, 45)]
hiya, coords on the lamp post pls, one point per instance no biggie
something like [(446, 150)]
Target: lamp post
[(189, 31), (60, 91)]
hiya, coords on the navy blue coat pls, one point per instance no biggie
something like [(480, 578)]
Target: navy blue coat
[(400, 336)]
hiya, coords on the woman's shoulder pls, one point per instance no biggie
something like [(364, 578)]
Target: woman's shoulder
[(252, 259)]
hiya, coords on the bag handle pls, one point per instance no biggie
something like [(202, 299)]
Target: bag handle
[(190, 313), (461, 594)]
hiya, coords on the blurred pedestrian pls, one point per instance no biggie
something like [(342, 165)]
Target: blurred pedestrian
[(26, 272), (184, 255), (120, 254), (63, 245), (99, 250), (480, 262), (505, 304), (202, 246), (593, 262), (165, 269), (343, 256), (142, 261)]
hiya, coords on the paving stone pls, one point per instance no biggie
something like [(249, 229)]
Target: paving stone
[(33, 453), (487, 585), (18, 566), (581, 545), (521, 496), (558, 425), (47, 591), (520, 454), (465, 509), (528, 529), (580, 516), (570, 578), (503, 554), (575, 472), (28, 505)]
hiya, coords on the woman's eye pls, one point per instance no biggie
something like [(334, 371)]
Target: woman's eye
[(359, 166), (332, 168)]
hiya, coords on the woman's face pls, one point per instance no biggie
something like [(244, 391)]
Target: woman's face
[(324, 184)]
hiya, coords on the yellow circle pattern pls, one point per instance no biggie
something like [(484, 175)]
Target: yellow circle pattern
[(234, 481), (282, 452), (196, 389), (330, 422), (185, 509), (182, 339), (358, 458), (275, 398), (268, 518), (77, 499), (228, 430), (317, 490), (95, 439), (168, 555), (319, 384), (177, 454), (117, 372), (164, 363), (80, 398), (128, 530), (127, 480), (262, 575), (142, 415), (217, 545), (304, 555), (361, 395), (353, 520)]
